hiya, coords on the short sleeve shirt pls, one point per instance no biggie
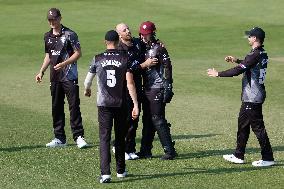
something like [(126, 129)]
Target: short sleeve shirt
[(110, 68), (60, 48)]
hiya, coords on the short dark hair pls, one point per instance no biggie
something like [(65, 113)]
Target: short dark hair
[(111, 35)]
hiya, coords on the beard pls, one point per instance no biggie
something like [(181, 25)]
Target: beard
[(128, 37)]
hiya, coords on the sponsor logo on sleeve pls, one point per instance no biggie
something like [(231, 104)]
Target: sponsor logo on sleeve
[(242, 66)]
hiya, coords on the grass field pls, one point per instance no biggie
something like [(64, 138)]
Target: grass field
[(198, 35)]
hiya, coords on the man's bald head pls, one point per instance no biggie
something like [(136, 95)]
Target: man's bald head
[(123, 31), (120, 27)]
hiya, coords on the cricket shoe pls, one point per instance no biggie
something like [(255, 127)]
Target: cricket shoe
[(81, 143), (122, 175), (232, 158), (262, 163), (105, 178), (168, 157), (56, 143), (127, 156), (131, 156), (143, 155)]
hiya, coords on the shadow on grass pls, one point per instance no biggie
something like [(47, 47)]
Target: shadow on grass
[(188, 137), (20, 148), (208, 153), (132, 178), (183, 137)]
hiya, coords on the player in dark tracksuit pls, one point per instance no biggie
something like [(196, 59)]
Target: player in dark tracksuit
[(253, 68), (157, 83), (136, 54), (62, 50), (112, 68)]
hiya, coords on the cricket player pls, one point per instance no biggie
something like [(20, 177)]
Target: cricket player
[(136, 53), (62, 50), (253, 67), (157, 83), (112, 68)]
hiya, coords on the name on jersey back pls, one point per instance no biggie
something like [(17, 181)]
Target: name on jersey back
[(110, 63)]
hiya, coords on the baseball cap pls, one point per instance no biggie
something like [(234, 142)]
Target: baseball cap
[(256, 32), (111, 35), (53, 13), (147, 28)]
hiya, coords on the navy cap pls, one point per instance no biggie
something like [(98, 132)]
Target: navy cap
[(53, 14), (256, 32), (111, 35)]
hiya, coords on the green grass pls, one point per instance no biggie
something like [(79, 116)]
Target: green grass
[(198, 35)]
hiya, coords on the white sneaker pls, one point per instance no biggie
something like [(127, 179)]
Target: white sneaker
[(133, 156), (122, 175), (113, 149), (55, 143), (105, 178), (261, 163), (127, 156), (232, 158), (81, 143)]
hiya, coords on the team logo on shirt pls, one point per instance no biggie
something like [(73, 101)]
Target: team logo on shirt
[(135, 62), (165, 57), (63, 39)]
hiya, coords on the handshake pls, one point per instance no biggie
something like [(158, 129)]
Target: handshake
[(168, 92)]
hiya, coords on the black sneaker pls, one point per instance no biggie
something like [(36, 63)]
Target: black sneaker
[(169, 156), (143, 155)]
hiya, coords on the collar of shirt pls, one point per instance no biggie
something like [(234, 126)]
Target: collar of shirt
[(259, 47), (63, 28)]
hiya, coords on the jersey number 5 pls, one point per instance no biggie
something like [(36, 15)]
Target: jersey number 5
[(111, 80)]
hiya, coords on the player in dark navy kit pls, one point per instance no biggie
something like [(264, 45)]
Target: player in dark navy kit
[(254, 68), (136, 53), (62, 50), (112, 68), (157, 83)]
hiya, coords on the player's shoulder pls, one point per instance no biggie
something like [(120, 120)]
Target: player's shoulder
[(47, 34), (122, 52), (68, 31), (136, 41), (161, 48), (99, 56), (257, 52), (116, 53)]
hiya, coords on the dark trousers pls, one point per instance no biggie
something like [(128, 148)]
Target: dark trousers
[(58, 92), (132, 125), (106, 117), (152, 106), (251, 116)]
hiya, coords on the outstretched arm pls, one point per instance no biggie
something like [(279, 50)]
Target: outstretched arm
[(243, 65)]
